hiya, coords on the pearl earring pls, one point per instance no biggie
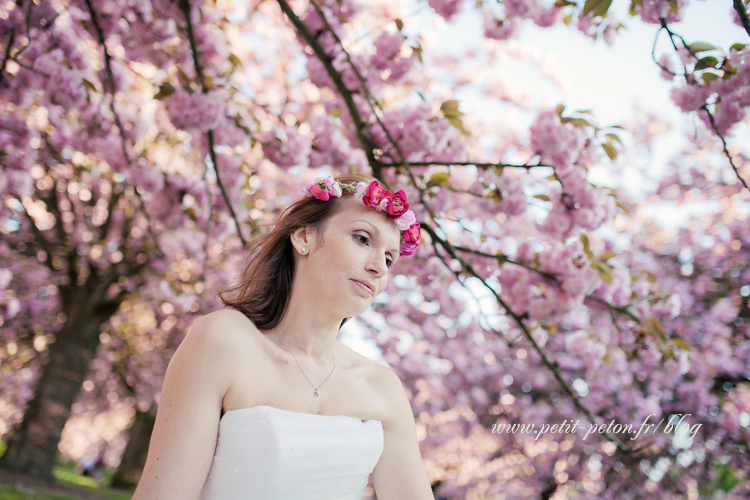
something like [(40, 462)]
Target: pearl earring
[(303, 250)]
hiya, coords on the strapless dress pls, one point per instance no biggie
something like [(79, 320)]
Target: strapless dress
[(265, 453)]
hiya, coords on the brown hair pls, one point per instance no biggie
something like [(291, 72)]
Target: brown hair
[(266, 284)]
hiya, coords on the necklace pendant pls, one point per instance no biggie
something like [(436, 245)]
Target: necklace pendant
[(317, 394)]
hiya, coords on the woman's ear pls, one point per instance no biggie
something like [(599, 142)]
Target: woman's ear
[(302, 240)]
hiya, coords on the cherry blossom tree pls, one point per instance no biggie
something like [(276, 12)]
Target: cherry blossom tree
[(144, 143)]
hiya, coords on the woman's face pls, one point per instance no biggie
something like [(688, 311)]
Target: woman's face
[(348, 267)]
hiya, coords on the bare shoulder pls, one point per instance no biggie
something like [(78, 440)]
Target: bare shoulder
[(392, 401), (225, 328)]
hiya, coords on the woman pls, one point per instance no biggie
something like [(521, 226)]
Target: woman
[(261, 402)]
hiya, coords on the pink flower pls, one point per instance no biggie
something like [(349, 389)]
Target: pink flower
[(410, 239), (406, 220), (398, 204), (359, 190), (320, 193), (375, 194), (323, 188), (413, 234), (407, 248)]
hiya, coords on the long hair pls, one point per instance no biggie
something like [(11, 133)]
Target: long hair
[(265, 286)]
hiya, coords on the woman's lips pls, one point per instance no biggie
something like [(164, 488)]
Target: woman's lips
[(363, 286)]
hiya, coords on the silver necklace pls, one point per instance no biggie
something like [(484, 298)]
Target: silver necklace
[(317, 392)]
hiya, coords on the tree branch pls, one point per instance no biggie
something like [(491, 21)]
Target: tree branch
[(742, 12), (363, 132), (185, 7)]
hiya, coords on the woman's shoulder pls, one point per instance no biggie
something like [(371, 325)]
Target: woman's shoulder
[(385, 385), (225, 327)]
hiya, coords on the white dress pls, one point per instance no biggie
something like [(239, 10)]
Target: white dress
[(265, 453)]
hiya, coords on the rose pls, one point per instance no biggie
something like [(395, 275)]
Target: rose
[(398, 204), (405, 221), (410, 239), (407, 248), (375, 194), (413, 234), (319, 193)]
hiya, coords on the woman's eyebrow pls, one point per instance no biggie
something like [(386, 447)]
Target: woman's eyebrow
[(393, 251)]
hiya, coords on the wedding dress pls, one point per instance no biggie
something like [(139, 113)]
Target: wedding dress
[(265, 453)]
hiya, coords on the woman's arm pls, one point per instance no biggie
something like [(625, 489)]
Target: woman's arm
[(400, 473), (187, 421)]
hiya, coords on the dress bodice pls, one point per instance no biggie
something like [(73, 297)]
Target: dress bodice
[(265, 453)]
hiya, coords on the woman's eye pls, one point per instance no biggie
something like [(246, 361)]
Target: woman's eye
[(361, 238), (388, 262)]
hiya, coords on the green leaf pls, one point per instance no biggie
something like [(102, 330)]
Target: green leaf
[(607, 255), (456, 122), (90, 85), (587, 247), (706, 62), (439, 179), (614, 137), (559, 109), (598, 7), (701, 47), (577, 122), (632, 9), (235, 60), (708, 77), (604, 272), (681, 344), (673, 8), (655, 328), (166, 90), (499, 171), (610, 150), (418, 51), (726, 478), (449, 106), (738, 46), (542, 197), (564, 3)]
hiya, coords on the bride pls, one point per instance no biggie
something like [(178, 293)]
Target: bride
[(260, 401)]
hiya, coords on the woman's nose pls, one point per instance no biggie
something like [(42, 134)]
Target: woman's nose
[(378, 266)]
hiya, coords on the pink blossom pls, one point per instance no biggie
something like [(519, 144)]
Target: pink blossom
[(446, 8), (652, 11), (286, 147), (690, 97), (200, 111), (557, 143), (518, 8), (499, 29), (387, 48), (546, 18)]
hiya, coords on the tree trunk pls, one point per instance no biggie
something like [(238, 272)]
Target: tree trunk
[(32, 445), (134, 458)]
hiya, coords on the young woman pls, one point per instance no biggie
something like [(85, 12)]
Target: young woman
[(260, 401)]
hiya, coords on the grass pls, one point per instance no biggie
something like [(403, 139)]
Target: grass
[(70, 486)]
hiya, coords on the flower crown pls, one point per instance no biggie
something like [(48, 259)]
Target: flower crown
[(394, 205)]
